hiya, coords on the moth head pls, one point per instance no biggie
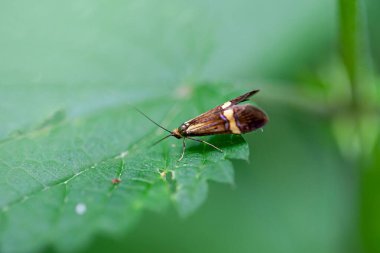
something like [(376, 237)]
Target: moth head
[(176, 133)]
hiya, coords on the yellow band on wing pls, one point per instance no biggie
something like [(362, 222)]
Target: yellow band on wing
[(226, 104), (229, 114)]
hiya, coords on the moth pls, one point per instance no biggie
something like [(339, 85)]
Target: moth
[(228, 118)]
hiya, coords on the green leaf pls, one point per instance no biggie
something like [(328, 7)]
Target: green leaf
[(69, 72), (58, 178)]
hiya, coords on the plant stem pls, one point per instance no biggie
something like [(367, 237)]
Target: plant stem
[(349, 45)]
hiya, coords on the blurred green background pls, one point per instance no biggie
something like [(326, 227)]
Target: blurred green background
[(312, 183)]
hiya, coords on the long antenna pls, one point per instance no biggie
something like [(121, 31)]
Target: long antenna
[(153, 121), (161, 139)]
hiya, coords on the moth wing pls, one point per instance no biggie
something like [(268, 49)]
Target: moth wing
[(214, 122), (248, 117), (207, 124), (237, 100), (238, 119), (219, 109), (242, 98), (210, 114)]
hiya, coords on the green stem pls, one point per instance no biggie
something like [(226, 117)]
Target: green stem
[(349, 45)]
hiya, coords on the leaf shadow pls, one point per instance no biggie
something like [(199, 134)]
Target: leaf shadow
[(225, 142)]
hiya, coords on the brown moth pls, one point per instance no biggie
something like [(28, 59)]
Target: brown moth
[(228, 118)]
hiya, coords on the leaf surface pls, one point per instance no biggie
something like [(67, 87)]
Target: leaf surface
[(58, 178), (69, 73)]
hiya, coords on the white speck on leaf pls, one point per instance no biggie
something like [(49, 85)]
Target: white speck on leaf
[(122, 155), (80, 208)]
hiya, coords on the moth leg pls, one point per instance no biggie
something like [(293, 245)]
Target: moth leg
[(183, 149), (205, 142)]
